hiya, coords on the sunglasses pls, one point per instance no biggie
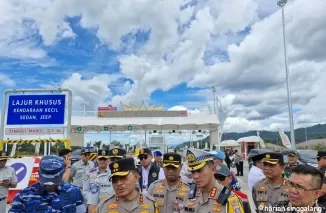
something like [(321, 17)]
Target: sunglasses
[(220, 177), (102, 159), (144, 157)]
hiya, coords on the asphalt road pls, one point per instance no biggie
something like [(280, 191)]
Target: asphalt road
[(243, 182)]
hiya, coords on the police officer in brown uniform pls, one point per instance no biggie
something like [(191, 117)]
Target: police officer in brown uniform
[(171, 192), (273, 187), (293, 157), (126, 199), (321, 158), (207, 195)]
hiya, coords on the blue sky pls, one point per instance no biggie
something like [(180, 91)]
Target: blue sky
[(109, 53)]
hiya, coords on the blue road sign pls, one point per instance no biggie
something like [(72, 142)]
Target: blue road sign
[(36, 109), (20, 169)]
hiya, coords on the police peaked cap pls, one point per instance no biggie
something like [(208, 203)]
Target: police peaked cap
[(273, 158), (171, 159), (103, 153), (117, 153), (321, 154), (145, 151), (3, 155), (122, 167)]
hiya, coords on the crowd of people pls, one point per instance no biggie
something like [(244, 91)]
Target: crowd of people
[(196, 181)]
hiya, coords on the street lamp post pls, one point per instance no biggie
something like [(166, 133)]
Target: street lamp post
[(214, 93), (282, 3)]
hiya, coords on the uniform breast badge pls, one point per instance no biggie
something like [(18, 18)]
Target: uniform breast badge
[(113, 205), (216, 209), (154, 175), (190, 203)]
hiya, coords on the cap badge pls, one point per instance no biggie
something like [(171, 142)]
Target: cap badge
[(190, 157), (141, 151), (268, 156), (103, 152), (217, 167), (115, 165), (115, 151), (3, 154), (171, 158)]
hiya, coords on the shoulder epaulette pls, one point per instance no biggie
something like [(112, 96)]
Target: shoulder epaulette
[(157, 181), (149, 197), (110, 197)]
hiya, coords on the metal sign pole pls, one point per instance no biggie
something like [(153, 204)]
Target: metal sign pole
[(4, 109)]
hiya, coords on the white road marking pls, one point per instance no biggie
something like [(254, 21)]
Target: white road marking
[(241, 181)]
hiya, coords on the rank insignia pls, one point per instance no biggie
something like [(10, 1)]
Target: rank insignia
[(145, 206), (215, 209), (183, 189), (144, 211), (181, 194), (113, 211), (159, 190), (262, 188), (190, 203), (213, 192), (216, 203), (113, 205)]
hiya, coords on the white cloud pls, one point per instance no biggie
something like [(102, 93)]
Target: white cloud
[(91, 92), (6, 80)]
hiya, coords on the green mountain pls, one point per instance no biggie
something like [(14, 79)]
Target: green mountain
[(301, 134)]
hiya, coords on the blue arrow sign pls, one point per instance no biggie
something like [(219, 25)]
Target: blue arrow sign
[(21, 170)]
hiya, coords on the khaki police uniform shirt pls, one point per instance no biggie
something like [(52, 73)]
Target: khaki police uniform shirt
[(78, 171), (207, 202), (6, 173), (169, 198), (97, 186), (264, 193), (322, 199), (142, 203)]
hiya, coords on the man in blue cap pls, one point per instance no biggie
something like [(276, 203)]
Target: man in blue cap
[(158, 158), (50, 194)]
